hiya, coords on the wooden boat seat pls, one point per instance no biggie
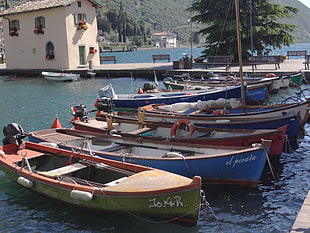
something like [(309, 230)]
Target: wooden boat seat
[(142, 130), (63, 170), (76, 180)]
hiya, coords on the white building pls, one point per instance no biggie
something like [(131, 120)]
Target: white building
[(164, 39), (51, 34)]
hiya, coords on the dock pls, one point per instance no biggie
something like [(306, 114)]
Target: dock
[(146, 70), (302, 222)]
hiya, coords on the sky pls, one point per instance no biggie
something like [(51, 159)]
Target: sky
[(306, 2)]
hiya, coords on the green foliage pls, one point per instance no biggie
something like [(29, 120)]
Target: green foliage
[(171, 15), (125, 25), (219, 18)]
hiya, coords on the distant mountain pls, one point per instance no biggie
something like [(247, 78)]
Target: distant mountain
[(302, 32), (171, 15)]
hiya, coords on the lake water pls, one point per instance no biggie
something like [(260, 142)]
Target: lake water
[(34, 103)]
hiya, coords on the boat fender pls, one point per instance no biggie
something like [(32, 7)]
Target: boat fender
[(190, 127), (25, 182), (81, 195), (172, 155), (220, 112), (257, 145), (51, 144), (2, 154)]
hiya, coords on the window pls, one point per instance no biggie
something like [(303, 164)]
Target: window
[(79, 4), (39, 24), (14, 27), (79, 17), (39, 21), (80, 21), (50, 51)]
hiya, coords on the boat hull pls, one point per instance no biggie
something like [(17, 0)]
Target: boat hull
[(179, 203), (133, 101), (225, 137), (293, 122), (61, 77), (239, 166), (296, 80)]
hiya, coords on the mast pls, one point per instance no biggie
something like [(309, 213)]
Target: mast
[(239, 52)]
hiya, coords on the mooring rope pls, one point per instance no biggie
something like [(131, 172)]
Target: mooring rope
[(205, 206)]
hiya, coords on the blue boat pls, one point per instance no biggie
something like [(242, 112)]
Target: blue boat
[(255, 94), (134, 101), (215, 164)]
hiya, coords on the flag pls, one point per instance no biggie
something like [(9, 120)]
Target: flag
[(155, 79)]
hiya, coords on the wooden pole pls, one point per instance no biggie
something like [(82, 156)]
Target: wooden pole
[(239, 52)]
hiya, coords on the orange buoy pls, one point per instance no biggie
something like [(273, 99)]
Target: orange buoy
[(270, 75), (99, 113), (229, 79), (190, 127), (56, 124), (140, 91)]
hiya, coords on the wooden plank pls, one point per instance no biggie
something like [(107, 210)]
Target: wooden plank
[(142, 130), (302, 222), (63, 170)]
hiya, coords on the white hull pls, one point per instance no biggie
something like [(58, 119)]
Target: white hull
[(60, 77)]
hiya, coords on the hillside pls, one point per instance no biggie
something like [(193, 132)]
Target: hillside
[(302, 32), (171, 15)]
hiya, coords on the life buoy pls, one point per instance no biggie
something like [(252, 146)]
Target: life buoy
[(270, 75), (220, 112), (189, 126), (229, 79)]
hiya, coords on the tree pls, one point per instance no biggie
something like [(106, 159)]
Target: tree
[(258, 20)]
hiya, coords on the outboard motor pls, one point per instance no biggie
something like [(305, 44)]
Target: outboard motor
[(105, 104), (13, 134), (149, 87), (80, 112)]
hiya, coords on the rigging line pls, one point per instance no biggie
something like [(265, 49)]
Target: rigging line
[(226, 19)]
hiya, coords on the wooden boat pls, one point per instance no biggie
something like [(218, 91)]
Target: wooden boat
[(183, 131), (214, 164), (230, 109), (60, 77), (243, 122), (99, 184), (271, 82), (133, 101), (296, 79), (254, 93)]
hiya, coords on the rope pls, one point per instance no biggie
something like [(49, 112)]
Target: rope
[(270, 165), (205, 207)]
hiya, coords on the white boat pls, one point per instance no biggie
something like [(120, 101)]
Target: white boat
[(62, 77)]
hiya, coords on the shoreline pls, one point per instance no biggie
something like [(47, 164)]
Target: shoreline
[(146, 70)]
